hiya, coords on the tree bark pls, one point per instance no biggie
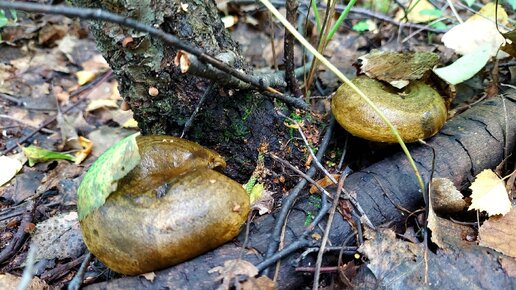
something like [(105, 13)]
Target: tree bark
[(233, 123), (479, 138)]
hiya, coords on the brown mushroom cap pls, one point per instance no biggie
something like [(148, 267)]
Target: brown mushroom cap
[(170, 208), (417, 111)]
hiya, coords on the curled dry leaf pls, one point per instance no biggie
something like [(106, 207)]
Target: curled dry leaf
[(233, 270), (446, 199), (489, 194), (498, 233), (87, 147), (323, 182)]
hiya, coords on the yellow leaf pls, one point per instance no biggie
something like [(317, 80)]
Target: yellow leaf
[(131, 123), (256, 192), (417, 12), (101, 103), (87, 146), (478, 30), (84, 76), (489, 194), (291, 126)]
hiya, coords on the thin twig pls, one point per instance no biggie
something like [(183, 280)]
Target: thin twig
[(326, 234), (353, 200), (76, 282), (45, 130), (20, 235), (283, 253), (12, 99), (454, 11), (290, 200)]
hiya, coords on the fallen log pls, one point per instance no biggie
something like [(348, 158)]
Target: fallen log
[(477, 139)]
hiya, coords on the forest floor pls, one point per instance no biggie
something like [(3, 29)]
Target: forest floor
[(58, 93)]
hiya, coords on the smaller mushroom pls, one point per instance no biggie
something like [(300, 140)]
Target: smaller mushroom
[(416, 111)]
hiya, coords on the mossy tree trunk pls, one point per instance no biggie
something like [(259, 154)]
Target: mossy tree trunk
[(233, 123)]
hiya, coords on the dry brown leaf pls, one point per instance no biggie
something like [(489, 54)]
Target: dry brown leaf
[(264, 204), (509, 266), (9, 281), (446, 199), (260, 283), (498, 233), (489, 194), (398, 68), (233, 269), (323, 182), (96, 64), (448, 235), (384, 250)]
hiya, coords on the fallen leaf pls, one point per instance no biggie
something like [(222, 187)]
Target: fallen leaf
[(120, 159), (96, 64), (446, 234), (465, 67), (498, 233), (37, 154), (101, 103), (478, 30), (260, 283), (85, 76), (87, 147), (509, 266), (264, 204), (510, 43), (11, 165), (233, 269), (9, 281), (446, 199), (384, 251), (489, 194), (323, 182)]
